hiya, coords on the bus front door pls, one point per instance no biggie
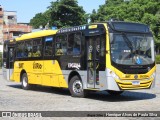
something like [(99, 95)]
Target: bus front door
[(93, 57)]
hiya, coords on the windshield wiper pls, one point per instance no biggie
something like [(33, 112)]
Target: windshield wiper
[(128, 42)]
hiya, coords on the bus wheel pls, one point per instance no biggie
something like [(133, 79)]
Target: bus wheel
[(24, 81), (111, 92), (76, 87)]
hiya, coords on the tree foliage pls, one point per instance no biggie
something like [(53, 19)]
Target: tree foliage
[(61, 13), (67, 13), (40, 19), (143, 11)]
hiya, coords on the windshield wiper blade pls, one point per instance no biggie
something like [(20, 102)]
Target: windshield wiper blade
[(128, 42)]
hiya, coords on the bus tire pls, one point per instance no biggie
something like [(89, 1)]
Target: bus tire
[(114, 93), (76, 87), (24, 82)]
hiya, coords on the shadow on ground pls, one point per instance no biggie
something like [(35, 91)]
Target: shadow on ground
[(126, 96), (101, 96)]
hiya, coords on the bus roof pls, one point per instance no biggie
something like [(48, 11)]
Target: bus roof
[(36, 34)]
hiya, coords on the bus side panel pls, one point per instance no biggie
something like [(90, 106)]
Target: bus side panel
[(16, 72), (37, 71), (49, 76), (32, 70), (23, 65), (53, 73), (58, 71), (46, 72), (82, 73)]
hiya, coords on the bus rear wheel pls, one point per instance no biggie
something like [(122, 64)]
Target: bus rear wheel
[(24, 82), (76, 87), (114, 93)]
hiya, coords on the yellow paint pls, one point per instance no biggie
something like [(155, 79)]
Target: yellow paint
[(92, 26), (126, 82), (36, 34), (108, 60), (50, 73)]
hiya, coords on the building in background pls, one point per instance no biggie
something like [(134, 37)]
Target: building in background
[(1, 23), (9, 28)]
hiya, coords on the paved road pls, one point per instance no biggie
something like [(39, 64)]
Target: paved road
[(12, 98)]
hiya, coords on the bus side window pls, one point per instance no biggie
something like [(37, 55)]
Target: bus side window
[(11, 54), (70, 43), (74, 43), (48, 46), (77, 44), (102, 46), (37, 48), (20, 50), (28, 48), (61, 45)]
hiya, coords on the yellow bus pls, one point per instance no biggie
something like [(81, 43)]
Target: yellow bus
[(111, 56)]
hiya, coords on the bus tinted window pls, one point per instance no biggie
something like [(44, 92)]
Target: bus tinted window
[(37, 48), (61, 45), (134, 27), (20, 50), (74, 43), (11, 55), (48, 46), (28, 48)]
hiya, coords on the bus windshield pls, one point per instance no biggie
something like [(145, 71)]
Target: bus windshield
[(132, 49)]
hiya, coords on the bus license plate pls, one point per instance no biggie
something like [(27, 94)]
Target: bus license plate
[(135, 82)]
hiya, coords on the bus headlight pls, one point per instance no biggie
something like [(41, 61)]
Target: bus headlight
[(153, 75), (113, 74), (110, 73)]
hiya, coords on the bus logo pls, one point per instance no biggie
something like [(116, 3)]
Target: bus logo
[(135, 76), (21, 65), (74, 65), (37, 65)]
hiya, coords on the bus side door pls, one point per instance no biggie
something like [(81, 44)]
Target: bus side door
[(95, 47)]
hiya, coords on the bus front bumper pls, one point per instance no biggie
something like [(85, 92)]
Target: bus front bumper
[(113, 82)]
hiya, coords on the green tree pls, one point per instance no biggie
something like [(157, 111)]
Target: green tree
[(93, 16), (61, 13), (143, 11), (67, 13), (40, 19)]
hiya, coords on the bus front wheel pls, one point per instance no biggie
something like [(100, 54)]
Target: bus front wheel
[(24, 81), (76, 87)]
